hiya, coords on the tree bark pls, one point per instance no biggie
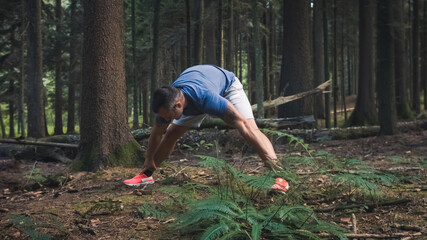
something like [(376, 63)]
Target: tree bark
[(73, 74), (385, 90), (198, 32), (319, 58), (155, 50), (365, 110), (400, 60), (416, 101), (58, 70), (106, 139), (258, 60), (326, 62), (133, 66), (424, 55), (188, 22), (220, 36), (230, 38), (210, 50), (21, 113), (3, 128), (36, 120), (297, 75)]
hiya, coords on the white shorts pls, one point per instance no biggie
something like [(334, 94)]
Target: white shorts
[(234, 94)]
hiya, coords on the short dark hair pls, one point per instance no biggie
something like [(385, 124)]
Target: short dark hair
[(165, 97)]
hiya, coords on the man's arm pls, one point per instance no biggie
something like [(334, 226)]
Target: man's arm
[(251, 133), (153, 142)]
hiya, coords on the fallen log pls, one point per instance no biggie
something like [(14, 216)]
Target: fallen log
[(368, 206), (49, 144), (282, 100)]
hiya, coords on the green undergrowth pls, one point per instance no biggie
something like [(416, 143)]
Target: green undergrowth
[(241, 206), (49, 228)]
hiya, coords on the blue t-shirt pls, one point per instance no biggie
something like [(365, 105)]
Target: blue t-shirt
[(203, 87)]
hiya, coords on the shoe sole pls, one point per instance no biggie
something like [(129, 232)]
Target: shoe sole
[(139, 184)]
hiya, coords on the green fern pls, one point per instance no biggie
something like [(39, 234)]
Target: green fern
[(291, 139), (155, 211), (36, 175), (214, 218), (28, 226), (356, 181), (215, 231)]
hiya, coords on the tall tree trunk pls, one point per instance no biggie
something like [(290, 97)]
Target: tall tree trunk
[(335, 88), (145, 110), (58, 70), (349, 81), (198, 32), (73, 72), (297, 75), (220, 36), (365, 110), (11, 90), (134, 78), (401, 60), (105, 135), (36, 121), (155, 50), (258, 59), (319, 58), (342, 81), (12, 107), (21, 113), (230, 46), (416, 102), (3, 128), (424, 55), (386, 89), (326, 62), (210, 50), (188, 17)]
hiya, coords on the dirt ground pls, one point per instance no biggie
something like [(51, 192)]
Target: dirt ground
[(99, 206)]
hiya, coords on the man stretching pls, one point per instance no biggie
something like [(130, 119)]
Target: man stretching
[(201, 90)]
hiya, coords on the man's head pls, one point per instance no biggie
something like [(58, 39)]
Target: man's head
[(168, 102)]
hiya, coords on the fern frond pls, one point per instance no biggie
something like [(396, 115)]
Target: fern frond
[(155, 211), (256, 231), (333, 229), (218, 165), (262, 183), (215, 231), (235, 234), (356, 181)]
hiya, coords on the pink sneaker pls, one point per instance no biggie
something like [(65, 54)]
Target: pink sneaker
[(140, 179), (280, 185)]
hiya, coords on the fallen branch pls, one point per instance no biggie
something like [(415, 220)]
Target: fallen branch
[(49, 144), (369, 206), (281, 100)]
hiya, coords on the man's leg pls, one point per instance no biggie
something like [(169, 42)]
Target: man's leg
[(250, 131)]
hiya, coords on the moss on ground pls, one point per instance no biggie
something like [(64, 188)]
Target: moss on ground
[(128, 154)]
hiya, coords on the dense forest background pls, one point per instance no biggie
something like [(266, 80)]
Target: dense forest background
[(68, 65)]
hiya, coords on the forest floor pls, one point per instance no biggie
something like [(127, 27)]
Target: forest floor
[(99, 206)]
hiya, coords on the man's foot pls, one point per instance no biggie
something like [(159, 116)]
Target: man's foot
[(140, 179), (281, 185)]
